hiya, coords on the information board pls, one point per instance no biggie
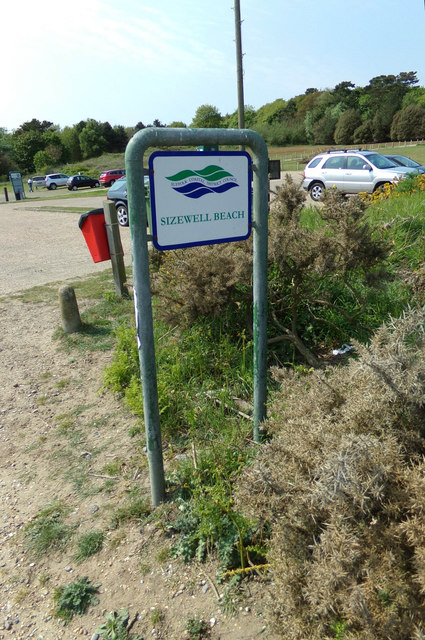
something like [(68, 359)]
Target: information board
[(200, 198)]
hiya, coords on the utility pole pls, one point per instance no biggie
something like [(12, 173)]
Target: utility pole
[(239, 70)]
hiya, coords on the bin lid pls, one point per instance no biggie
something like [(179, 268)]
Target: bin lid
[(84, 216)]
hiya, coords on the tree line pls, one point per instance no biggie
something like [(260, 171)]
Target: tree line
[(388, 108)]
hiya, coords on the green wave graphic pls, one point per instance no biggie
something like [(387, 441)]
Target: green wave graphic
[(210, 173)]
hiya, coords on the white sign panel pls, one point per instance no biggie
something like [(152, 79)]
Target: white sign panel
[(200, 198)]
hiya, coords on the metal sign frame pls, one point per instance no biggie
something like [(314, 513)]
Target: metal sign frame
[(156, 137)]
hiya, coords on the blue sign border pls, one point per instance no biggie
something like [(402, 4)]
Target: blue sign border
[(197, 154)]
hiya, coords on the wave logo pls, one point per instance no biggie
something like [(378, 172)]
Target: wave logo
[(195, 184)]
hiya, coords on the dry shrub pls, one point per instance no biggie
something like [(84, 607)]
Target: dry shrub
[(201, 281), (343, 484)]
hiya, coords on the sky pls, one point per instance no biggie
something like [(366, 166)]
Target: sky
[(130, 61)]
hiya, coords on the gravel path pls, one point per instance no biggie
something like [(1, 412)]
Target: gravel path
[(40, 243)]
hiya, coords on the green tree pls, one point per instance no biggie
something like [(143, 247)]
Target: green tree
[(25, 146), (232, 121), (33, 125), (271, 112), (363, 133), (53, 145), (409, 123), (176, 124), (207, 117), (71, 144), (43, 162), (348, 122), (92, 141)]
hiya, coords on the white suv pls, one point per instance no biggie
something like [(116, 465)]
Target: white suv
[(54, 180), (350, 171)]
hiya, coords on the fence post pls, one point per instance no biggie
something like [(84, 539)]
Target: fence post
[(115, 248)]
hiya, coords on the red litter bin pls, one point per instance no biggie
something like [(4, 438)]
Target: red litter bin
[(92, 224)]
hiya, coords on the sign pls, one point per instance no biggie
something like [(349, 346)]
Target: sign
[(18, 188), (200, 198)]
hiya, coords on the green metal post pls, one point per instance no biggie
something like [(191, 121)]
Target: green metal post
[(160, 137)]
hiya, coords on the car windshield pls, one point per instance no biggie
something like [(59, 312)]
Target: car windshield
[(407, 162), (380, 161)]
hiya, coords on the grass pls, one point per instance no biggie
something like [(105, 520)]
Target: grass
[(88, 545), (136, 509), (47, 531)]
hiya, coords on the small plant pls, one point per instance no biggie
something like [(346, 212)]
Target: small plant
[(136, 509), (44, 579), (117, 626), (75, 598), (21, 595), (144, 569), (231, 598), (163, 555), (156, 615), (196, 628), (89, 544), (114, 468), (340, 629), (47, 531)]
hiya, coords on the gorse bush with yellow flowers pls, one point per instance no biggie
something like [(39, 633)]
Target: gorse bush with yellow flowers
[(412, 183)]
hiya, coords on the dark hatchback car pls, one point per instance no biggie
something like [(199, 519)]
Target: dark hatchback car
[(76, 182), (118, 195), (404, 161)]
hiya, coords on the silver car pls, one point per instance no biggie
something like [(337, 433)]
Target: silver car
[(350, 171), (54, 180)]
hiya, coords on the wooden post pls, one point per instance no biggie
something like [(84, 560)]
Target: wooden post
[(115, 248)]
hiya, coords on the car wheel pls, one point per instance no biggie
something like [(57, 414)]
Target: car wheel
[(111, 183), (52, 186), (122, 215), (316, 191), (380, 186), (97, 184), (74, 188)]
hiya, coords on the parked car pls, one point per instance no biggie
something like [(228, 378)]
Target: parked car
[(404, 161), (118, 194), (107, 178), (54, 180), (350, 171), (38, 181), (76, 182)]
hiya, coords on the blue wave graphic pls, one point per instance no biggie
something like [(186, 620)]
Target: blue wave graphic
[(197, 189)]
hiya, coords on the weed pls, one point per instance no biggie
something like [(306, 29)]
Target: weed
[(89, 544), (196, 628), (229, 603), (75, 598), (135, 431), (340, 629), (44, 579), (21, 595), (157, 615), (135, 509), (117, 626), (47, 531), (117, 539), (163, 555), (144, 569), (113, 468)]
